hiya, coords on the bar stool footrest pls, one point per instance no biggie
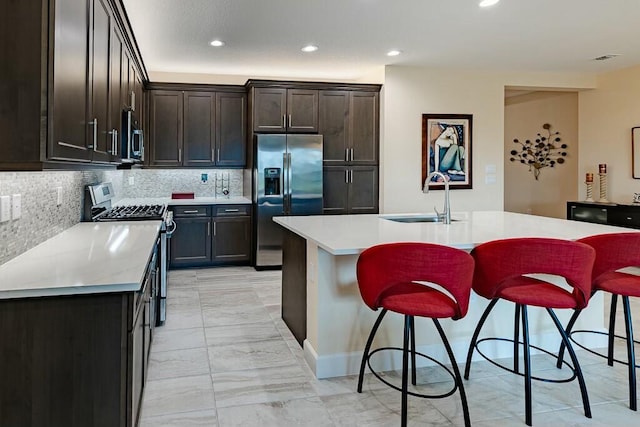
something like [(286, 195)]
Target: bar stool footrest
[(584, 331), (548, 380), (424, 396)]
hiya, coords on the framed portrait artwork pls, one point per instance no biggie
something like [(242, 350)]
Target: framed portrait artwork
[(446, 148)]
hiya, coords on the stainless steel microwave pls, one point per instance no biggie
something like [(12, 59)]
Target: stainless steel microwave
[(133, 141)]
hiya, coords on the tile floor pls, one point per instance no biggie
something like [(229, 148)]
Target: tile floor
[(225, 358)]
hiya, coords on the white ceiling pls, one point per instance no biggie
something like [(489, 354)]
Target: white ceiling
[(263, 37)]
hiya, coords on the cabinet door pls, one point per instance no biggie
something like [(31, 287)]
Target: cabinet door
[(624, 216), (100, 137), (199, 116), (231, 239), (230, 129), (364, 123), (191, 242), (335, 192), (165, 133), (269, 110), (68, 112), (302, 110), (363, 189), (136, 367), (333, 125), (115, 84), (124, 87)]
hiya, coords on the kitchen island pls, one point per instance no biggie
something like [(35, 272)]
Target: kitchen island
[(322, 306), (76, 319)]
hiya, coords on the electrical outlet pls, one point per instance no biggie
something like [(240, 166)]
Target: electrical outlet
[(131, 181), (16, 206), (5, 208), (204, 178)]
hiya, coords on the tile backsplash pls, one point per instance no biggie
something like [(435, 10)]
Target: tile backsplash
[(162, 182), (42, 217)]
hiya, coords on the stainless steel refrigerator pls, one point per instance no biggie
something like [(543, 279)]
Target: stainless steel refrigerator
[(287, 181)]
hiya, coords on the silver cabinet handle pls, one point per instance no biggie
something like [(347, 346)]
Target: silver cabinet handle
[(212, 156), (218, 158), (346, 154), (94, 123), (110, 150), (351, 154), (214, 228), (289, 120), (284, 121), (179, 154), (191, 211), (208, 229), (133, 101), (346, 176), (116, 142), (351, 176), (232, 210)]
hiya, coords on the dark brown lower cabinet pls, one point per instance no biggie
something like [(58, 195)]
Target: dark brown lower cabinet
[(74, 361), (191, 242), (211, 235), (350, 189)]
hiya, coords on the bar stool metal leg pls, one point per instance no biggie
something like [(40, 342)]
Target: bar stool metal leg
[(568, 330), (574, 360), (612, 328), (454, 365), (516, 339), (631, 356), (365, 354), (405, 369), (527, 366), (474, 338), (413, 350)]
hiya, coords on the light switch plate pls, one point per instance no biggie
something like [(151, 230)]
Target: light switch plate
[(16, 206), (5, 208)]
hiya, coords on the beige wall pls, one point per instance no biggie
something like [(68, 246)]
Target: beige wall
[(410, 91), (606, 116), (524, 117)]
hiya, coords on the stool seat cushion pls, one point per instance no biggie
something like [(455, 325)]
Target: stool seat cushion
[(618, 283), (414, 299), (538, 293)]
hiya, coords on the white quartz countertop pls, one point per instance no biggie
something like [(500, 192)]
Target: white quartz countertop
[(90, 257), (351, 234), (175, 202)]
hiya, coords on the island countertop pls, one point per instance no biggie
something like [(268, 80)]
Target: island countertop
[(90, 257), (351, 234)]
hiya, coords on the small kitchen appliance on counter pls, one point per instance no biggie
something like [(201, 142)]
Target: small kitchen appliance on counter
[(97, 208)]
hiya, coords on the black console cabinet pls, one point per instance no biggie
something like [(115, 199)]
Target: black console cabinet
[(605, 213)]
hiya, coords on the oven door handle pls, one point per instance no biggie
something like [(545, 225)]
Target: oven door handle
[(171, 227)]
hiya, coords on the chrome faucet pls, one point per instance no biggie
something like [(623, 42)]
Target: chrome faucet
[(446, 215)]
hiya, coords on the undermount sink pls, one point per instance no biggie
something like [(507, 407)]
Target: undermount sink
[(413, 218)]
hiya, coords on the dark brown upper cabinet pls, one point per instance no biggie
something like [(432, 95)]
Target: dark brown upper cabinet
[(349, 122), (350, 190), (60, 78), (197, 128), (285, 110)]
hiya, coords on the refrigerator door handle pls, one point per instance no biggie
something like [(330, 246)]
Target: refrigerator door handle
[(289, 183), (285, 184)]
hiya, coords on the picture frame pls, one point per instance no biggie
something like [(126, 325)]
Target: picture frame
[(635, 152), (449, 136)]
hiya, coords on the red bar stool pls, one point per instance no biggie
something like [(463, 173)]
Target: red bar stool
[(613, 252), (503, 272), (387, 277)]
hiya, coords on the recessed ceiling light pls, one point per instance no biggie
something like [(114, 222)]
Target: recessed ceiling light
[(394, 53), (217, 43), (309, 48), (487, 3)]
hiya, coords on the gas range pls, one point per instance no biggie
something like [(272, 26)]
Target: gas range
[(133, 213), (97, 208)]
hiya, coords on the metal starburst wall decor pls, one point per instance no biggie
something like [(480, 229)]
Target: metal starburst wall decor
[(544, 151)]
